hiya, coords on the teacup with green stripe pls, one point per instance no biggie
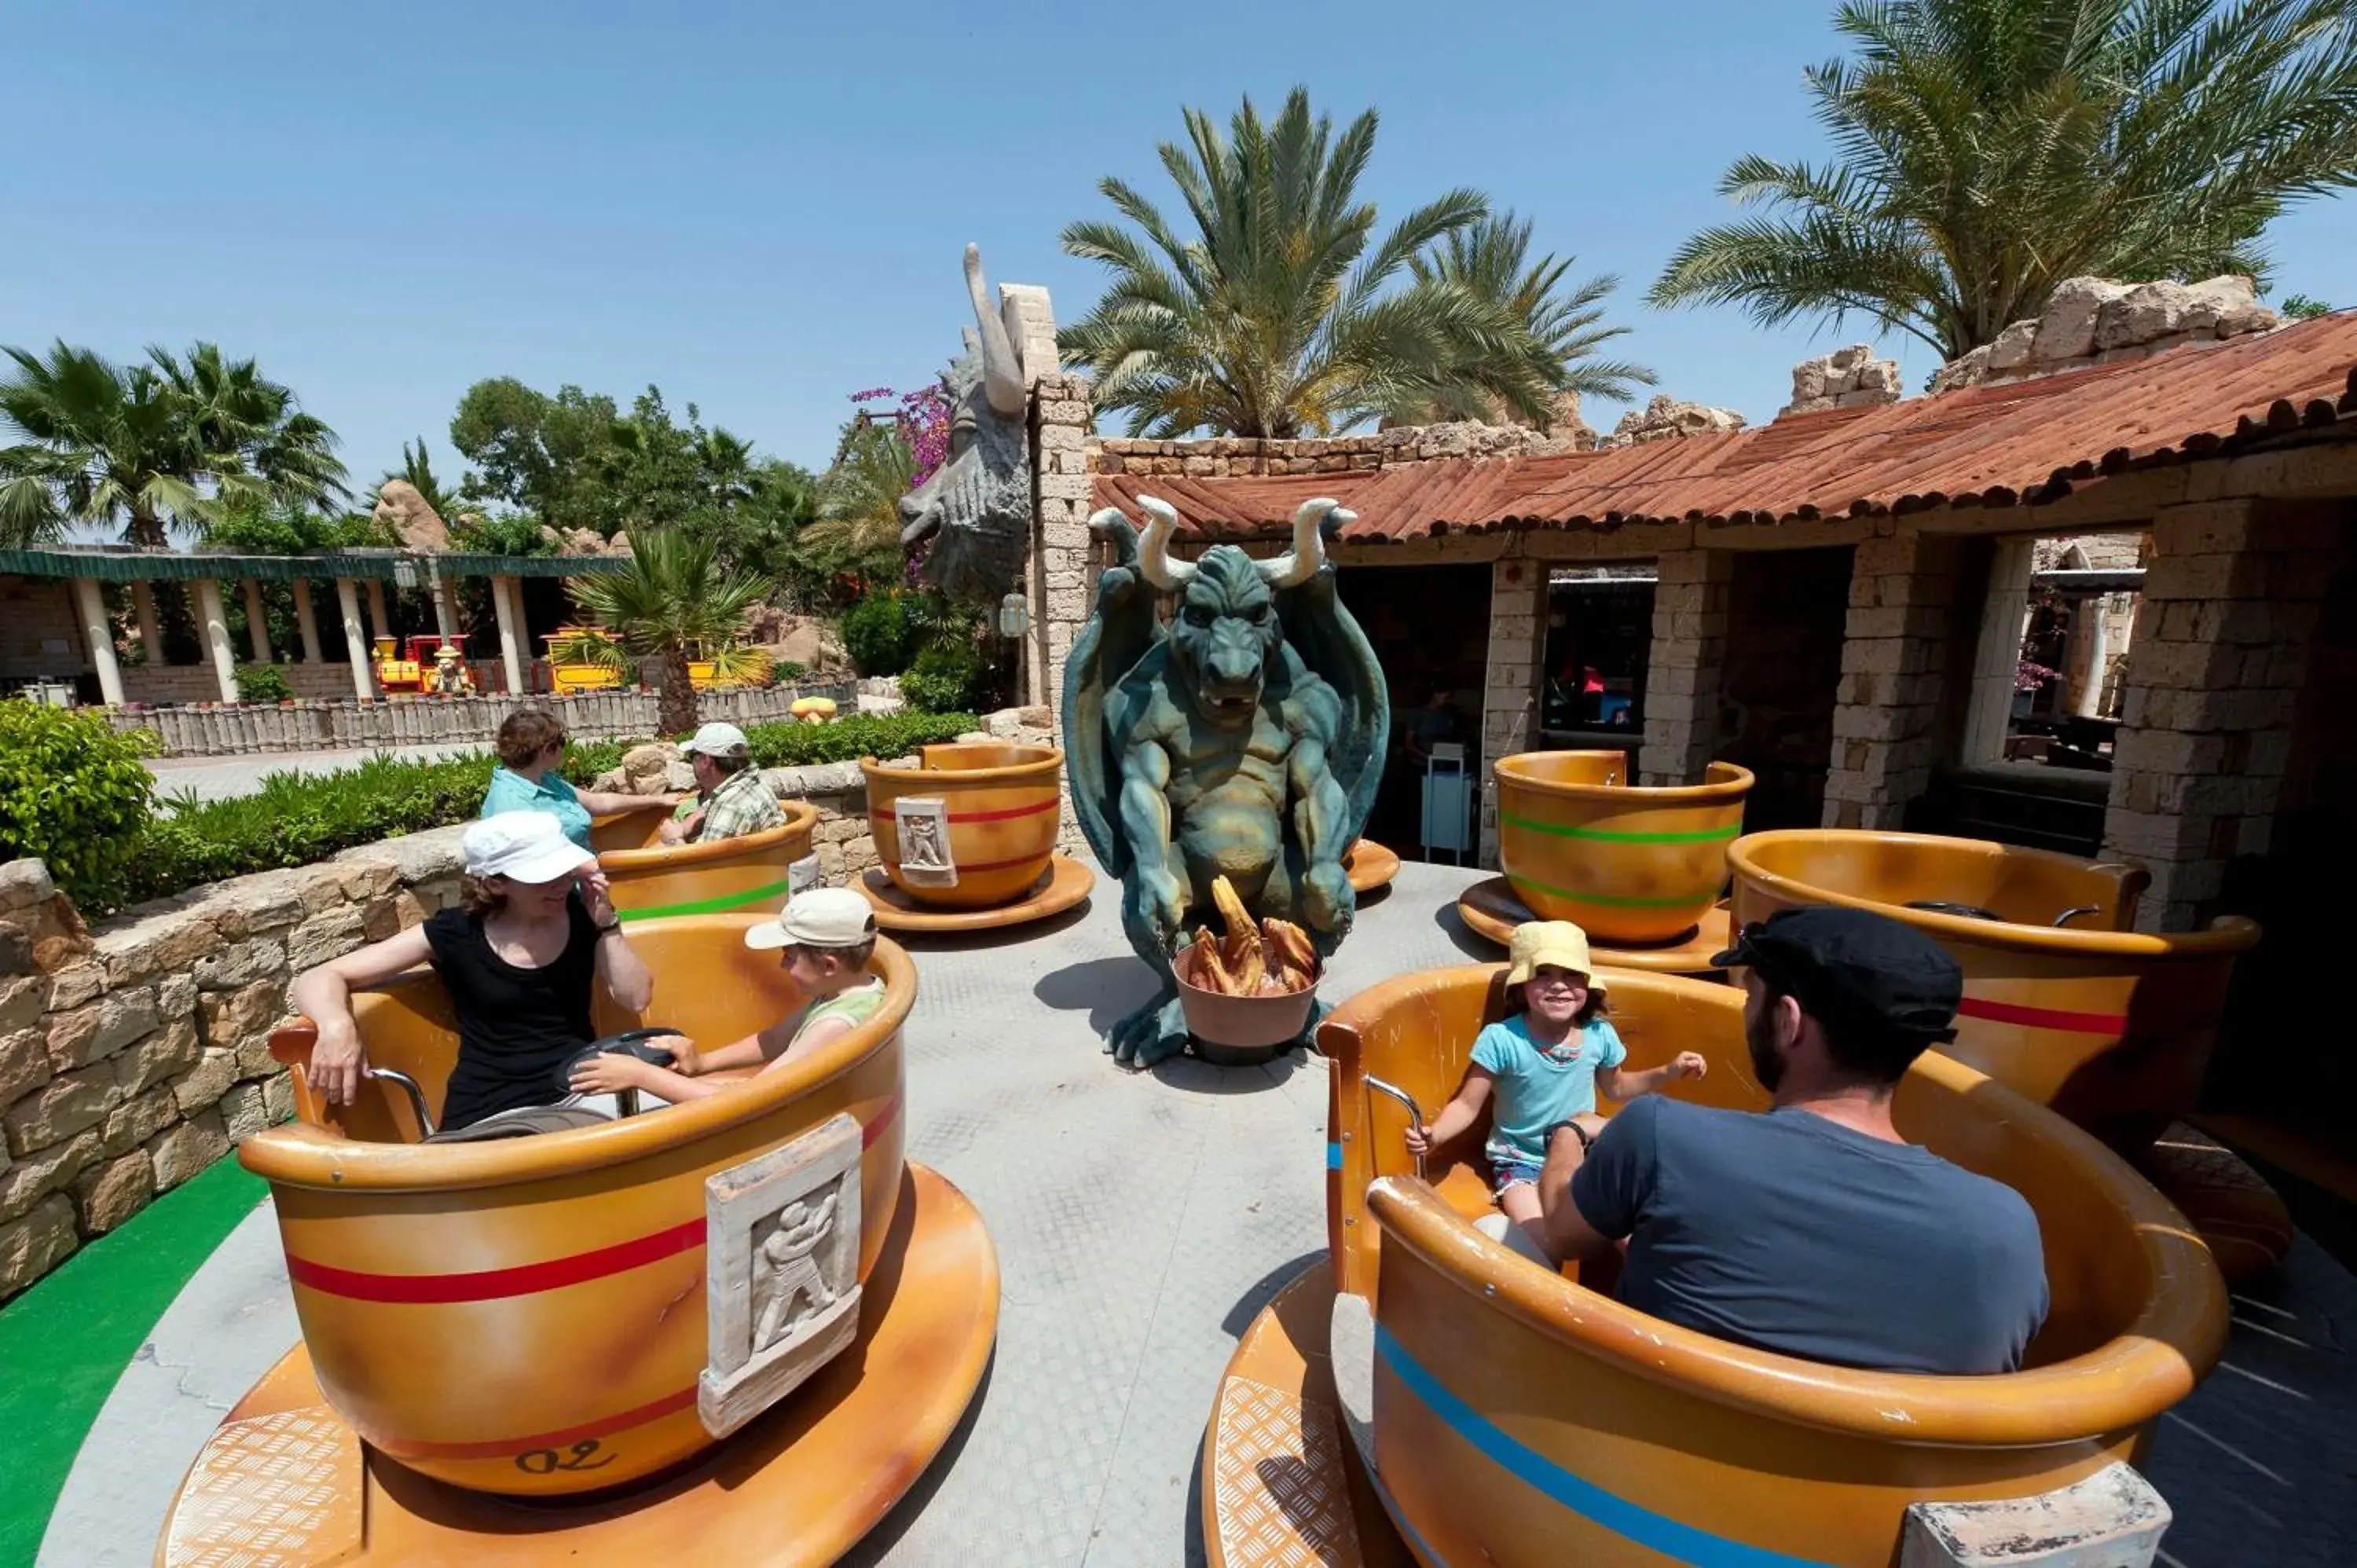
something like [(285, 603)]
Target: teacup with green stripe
[(1632, 866)]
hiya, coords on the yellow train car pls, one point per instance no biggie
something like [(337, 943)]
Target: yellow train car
[(1426, 1394), (506, 1343)]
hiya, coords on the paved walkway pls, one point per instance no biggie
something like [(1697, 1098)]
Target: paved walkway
[(219, 777), (1141, 1221)]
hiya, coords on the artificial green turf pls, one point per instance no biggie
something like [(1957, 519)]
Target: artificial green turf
[(64, 1342)]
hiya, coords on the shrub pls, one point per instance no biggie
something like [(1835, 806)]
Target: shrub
[(262, 684), (849, 739), (878, 635), (942, 679), (74, 793), (782, 670)]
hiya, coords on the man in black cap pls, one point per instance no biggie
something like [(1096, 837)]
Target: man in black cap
[(1814, 1230)]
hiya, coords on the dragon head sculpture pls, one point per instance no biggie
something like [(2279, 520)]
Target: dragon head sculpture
[(976, 507), (1227, 629)]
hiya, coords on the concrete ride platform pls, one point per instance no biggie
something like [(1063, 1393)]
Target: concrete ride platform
[(1141, 1221)]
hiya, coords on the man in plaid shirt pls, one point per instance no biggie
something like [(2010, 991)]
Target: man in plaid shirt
[(730, 800)]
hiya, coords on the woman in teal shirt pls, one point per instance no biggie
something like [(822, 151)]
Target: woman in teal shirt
[(530, 744)]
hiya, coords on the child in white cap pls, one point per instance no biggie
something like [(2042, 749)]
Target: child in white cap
[(1542, 1067), (824, 938)]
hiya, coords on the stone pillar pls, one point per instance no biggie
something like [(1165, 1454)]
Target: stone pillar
[(445, 619), (1510, 686), (305, 622), (2231, 597), (348, 602), (506, 604), (257, 623), (1061, 578), (90, 599), (212, 624), (2005, 622), (151, 635), (1903, 595), (1684, 664), (380, 623)]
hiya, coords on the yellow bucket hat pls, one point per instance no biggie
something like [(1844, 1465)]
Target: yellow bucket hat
[(1559, 942)]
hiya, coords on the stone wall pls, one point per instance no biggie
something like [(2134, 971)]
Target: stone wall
[(1888, 731), (133, 1055), (1685, 666), (1239, 457), (40, 635), (1510, 697), (1846, 377), (2093, 321)]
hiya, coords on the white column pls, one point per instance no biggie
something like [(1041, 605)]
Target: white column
[(507, 602), (92, 602), (380, 623), (257, 623), (213, 621), (2089, 653), (304, 623), (151, 636), (2004, 621), (444, 621), (349, 601)]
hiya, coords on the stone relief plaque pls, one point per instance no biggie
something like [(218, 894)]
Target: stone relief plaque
[(782, 1255), (923, 824)]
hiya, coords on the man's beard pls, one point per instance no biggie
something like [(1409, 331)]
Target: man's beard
[(1767, 1061)]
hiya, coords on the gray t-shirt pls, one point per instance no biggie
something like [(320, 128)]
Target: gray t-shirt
[(1788, 1232)]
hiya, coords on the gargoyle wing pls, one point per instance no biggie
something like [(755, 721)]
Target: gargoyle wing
[(1334, 648), (1123, 629)]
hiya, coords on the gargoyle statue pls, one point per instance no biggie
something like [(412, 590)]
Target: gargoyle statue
[(976, 507), (1245, 740)]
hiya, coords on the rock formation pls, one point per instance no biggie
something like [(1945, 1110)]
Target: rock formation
[(584, 541), (1846, 377), (400, 508), (2092, 321), (1665, 418)]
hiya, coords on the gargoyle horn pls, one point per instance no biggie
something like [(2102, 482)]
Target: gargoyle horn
[(1301, 563), (1154, 562), (1002, 369)]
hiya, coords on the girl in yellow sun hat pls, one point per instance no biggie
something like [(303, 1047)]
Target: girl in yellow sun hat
[(1542, 1066)]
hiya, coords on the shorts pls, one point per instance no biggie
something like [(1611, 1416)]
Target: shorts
[(1505, 1170)]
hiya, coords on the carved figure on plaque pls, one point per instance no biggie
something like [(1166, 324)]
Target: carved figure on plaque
[(787, 1280), (925, 829)]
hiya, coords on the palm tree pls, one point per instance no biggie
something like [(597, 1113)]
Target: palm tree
[(102, 444), (1987, 149), (1490, 259), (674, 598), (1278, 317), (858, 520), (287, 456)]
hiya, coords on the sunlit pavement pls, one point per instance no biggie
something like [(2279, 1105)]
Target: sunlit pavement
[(219, 777), (1141, 1221)]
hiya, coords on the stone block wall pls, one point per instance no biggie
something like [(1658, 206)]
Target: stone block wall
[(1886, 714), (1510, 697), (1064, 558), (2232, 595), (2093, 321), (1685, 666), (135, 1055), (39, 632), (1240, 457)]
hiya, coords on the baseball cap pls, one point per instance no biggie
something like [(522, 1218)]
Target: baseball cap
[(527, 847), (716, 740), (1857, 967), (1559, 942), (820, 917)]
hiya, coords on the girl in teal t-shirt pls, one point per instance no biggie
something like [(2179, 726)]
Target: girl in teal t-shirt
[(1540, 1066)]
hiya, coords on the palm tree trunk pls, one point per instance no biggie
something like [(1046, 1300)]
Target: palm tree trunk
[(147, 530), (675, 704)]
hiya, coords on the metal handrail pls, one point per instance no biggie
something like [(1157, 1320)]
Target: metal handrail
[(2066, 915), (1415, 1112), (416, 1097)]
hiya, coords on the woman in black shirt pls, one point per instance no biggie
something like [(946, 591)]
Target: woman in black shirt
[(534, 929)]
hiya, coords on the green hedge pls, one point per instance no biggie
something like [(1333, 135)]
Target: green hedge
[(69, 798)]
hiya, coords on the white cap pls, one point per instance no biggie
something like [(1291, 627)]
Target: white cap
[(820, 917), (717, 739), (526, 846)]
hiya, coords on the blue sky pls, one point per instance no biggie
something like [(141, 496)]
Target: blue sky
[(760, 207)]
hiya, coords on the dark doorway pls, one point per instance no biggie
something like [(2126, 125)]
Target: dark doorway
[(1430, 627), (1788, 611)]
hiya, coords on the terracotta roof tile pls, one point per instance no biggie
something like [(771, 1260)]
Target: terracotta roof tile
[(1979, 445)]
